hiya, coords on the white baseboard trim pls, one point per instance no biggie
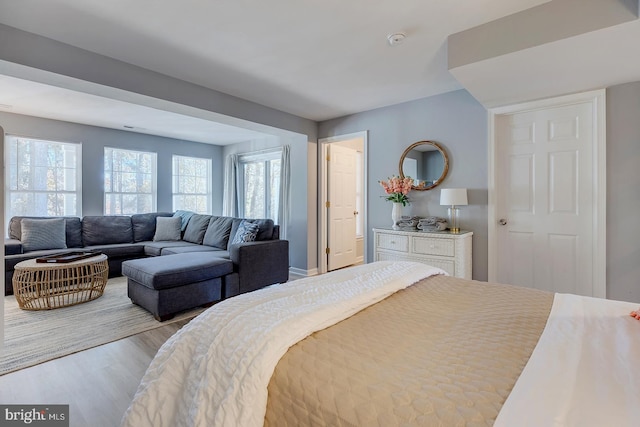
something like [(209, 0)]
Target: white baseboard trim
[(301, 272)]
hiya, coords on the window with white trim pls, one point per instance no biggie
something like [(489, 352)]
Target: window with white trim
[(129, 181), (43, 178), (260, 184), (192, 184)]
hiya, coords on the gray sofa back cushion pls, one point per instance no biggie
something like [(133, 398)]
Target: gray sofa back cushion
[(218, 232), (265, 230), (104, 230), (73, 229), (144, 225), (196, 228)]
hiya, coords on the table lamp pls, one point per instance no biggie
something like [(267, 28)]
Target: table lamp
[(453, 197)]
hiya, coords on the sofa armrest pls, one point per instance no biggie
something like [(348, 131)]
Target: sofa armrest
[(12, 247), (260, 264)]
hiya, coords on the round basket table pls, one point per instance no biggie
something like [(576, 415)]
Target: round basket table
[(45, 286)]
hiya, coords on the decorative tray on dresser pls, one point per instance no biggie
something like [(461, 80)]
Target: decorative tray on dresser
[(448, 251)]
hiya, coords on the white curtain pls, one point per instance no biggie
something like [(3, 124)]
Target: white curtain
[(231, 194), (284, 208)]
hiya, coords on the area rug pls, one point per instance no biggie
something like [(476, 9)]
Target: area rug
[(33, 337)]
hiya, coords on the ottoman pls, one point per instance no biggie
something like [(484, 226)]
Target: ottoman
[(166, 285)]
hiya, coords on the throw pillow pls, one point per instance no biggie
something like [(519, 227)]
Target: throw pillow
[(184, 216), (168, 228), (38, 234), (246, 232)]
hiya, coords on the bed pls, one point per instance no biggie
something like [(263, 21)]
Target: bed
[(397, 343)]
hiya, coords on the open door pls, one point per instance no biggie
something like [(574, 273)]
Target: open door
[(341, 207)]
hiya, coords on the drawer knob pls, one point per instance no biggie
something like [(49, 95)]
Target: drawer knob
[(432, 246), (393, 242)]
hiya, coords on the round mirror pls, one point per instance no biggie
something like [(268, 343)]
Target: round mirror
[(426, 162)]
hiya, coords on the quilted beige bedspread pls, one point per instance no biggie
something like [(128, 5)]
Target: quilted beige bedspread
[(443, 352)]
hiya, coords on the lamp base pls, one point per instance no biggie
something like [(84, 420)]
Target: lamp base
[(454, 219)]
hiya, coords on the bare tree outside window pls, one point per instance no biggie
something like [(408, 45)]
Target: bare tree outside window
[(129, 181), (261, 184), (42, 178), (192, 184)]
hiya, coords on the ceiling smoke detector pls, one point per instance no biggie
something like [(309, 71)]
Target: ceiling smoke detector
[(396, 38)]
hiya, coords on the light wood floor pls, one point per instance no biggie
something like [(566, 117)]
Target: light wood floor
[(98, 384)]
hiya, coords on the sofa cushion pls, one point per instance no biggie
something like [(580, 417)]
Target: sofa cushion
[(246, 232), (196, 228), (176, 270), (144, 225), (120, 250), (167, 229), (107, 229), (218, 232), (218, 253), (73, 229), (39, 234), (155, 248)]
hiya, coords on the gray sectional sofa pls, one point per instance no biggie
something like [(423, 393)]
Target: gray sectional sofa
[(255, 263)]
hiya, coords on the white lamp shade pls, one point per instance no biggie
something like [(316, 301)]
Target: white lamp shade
[(453, 196)]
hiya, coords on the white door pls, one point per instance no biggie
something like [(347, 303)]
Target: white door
[(545, 200), (342, 207)]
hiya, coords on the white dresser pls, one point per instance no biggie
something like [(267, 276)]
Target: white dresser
[(448, 251)]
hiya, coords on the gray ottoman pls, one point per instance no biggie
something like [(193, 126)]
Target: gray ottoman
[(166, 285)]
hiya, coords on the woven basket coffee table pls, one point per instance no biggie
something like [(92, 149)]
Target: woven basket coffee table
[(45, 286)]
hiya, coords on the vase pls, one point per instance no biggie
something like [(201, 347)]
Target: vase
[(396, 215)]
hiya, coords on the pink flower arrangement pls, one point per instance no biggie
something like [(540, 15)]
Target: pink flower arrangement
[(397, 189)]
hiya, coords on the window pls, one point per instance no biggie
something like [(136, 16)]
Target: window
[(43, 178), (129, 182), (192, 184), (260, 183)]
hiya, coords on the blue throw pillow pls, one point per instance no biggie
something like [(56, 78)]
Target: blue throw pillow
[(246, 232)]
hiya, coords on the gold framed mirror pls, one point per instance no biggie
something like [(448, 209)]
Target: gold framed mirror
[(426, 162)]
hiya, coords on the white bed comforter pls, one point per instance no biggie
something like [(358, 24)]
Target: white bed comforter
[(215, 371), (584, 371)]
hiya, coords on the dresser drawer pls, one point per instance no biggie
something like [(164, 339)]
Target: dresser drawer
[(393, 242), (429, 246)]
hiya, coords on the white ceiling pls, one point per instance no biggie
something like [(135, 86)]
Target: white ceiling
[(317, 60), (52, 102)]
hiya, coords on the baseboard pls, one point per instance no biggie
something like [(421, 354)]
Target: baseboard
[(300, 272)]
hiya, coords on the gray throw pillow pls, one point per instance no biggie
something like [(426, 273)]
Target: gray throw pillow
[(246, 232), (38, 234), (168, 228)]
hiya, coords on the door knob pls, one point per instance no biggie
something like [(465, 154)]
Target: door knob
[(355, 213), (503, 221)]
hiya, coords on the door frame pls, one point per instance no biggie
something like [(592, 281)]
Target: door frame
[(322, 193), (599, 190)]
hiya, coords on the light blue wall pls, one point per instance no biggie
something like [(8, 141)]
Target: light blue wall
[(95, 139), (455, 120)]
